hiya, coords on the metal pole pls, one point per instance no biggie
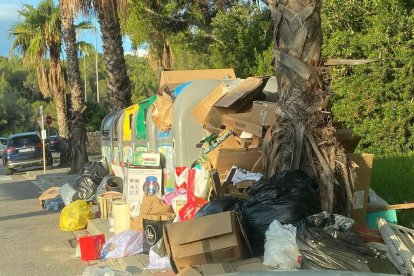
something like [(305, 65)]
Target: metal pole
[(44, 141), (84, 73), (96, 64)]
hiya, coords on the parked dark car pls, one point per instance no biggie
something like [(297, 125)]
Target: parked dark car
[(54, 143), (24, 150), (3, 145)]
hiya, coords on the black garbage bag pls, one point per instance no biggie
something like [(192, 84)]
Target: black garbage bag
[(327, 243), (85, 188), (219, 205), (95, 170), (289, 197)]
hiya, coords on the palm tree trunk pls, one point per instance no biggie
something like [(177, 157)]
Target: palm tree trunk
[(119, 87), (303, 136), (78, 140), (57, 86)]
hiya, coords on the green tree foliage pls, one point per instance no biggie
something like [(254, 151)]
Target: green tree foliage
[(375, 100), (143, 78)]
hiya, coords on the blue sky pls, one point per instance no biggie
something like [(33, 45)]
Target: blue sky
[(8, 15)]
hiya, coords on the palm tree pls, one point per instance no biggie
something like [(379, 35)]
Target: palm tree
[(107, 11), (303, 136), (37, 37), (78, 120)]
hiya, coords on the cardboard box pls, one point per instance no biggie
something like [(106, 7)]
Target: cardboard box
[(362, 164), (214, 238), (242, 158), (50, 193), (147, 159), (228, 143), (134, 183), (202, 109), (244, 122), (189, 271), (178, 77), (263, 112), (228, 100)]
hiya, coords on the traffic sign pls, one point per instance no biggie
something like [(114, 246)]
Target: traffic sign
[(49, 119)]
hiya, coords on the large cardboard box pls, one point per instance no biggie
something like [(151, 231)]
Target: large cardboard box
[(177, 77), (362, 164), (134, 182), (209, 239)]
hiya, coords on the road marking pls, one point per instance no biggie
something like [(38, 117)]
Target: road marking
[(5, 178)]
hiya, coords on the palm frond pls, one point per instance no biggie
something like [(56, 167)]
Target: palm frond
[(85, 48)]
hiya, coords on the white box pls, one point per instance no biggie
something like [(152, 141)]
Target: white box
[(134, 183)]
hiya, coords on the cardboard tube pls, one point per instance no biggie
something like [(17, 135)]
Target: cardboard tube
[(121, 215)]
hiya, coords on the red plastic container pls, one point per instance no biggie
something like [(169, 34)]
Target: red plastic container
[(91, 247)]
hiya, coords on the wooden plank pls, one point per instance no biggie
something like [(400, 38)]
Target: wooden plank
[(336, 62), (403, 206)]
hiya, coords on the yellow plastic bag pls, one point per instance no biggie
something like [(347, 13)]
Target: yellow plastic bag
[(75, 216)]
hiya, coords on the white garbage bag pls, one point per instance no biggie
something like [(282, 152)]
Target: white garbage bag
[(280, 247)]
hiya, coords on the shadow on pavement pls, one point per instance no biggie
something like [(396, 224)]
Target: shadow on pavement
[(18, 191), (31, 214)]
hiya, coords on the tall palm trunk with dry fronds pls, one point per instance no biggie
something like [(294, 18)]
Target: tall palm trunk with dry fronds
[(78, 131), (119, 87), (57, 84), (302, 136)]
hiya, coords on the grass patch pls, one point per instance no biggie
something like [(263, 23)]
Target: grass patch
[(393, 180)]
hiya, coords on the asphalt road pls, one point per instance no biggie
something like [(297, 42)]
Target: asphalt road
[(30, 238)]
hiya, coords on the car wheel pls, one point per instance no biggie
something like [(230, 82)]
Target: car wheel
[(8, 171)]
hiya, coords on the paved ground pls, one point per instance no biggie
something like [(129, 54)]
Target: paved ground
[(31, 241)]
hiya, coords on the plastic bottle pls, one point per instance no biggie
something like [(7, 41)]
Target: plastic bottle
[(151, 186)]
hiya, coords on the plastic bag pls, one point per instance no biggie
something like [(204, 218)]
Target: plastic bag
[(75, 216), (95, 170), (124, 244), (288, 197), (86, 188), (280, 247), (67, 192), (325, 242), (158, 258), (170, 196), (219, 205), (54, 204)]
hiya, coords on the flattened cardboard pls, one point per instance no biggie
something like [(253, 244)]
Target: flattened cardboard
[(177, 77), (362, 164), (229, 143), (202, 240), (242, 158), (202, 110), (244, 122), (264, 113), (247, 89)]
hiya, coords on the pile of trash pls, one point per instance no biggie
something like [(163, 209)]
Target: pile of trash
[(221, 215)]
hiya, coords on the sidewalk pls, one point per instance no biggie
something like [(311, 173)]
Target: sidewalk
[(135, 264)]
